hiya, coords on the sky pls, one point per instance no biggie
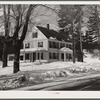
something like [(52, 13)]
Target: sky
[(46, 16)]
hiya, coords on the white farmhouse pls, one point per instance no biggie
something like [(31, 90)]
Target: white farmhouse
[(45, 45)]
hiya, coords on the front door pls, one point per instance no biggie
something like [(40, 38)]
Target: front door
[(62, 56), (34, 56)]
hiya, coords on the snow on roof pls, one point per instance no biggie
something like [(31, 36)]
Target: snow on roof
[(32, 49), (67, 50)]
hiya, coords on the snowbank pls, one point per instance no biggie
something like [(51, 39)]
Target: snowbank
[(88, 64)]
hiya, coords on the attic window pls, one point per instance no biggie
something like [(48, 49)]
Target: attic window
[(27, 45), (40, 44), (34, 35)]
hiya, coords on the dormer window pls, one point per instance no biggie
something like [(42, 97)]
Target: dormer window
[(34, 34)]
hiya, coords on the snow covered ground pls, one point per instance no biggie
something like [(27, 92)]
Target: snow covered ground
[(89, 63)]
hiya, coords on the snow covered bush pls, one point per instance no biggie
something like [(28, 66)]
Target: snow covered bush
[(14, 83)]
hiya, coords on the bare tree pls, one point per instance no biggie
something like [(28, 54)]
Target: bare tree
[(22, 23), (6, 40)]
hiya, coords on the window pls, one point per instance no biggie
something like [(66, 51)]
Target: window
[(38, 56), (58, 45), (70, 57), (21, 57), (40, 44), (27, 45), (55, 45), (50, 44), (35, 35), (66, 56), (54, 56), (11, 58), (58, 56), (61, 45), (27, 56), (50, 56), (66, 45), (70, 46), (41, 55)]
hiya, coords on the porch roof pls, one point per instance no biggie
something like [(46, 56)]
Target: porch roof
[(32, 49), (66, 50)]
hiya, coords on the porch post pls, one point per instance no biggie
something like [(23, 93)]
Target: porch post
[(24, 57), (64, 56), (59, 56), (40, 56), (36, 55), (31, 56)]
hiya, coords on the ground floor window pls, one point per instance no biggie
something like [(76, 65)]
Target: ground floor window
[(53, 55), (11, 58), (66, 56), (38, 55), (41, 55), (27, 56), (58, 56), (50, 56), (70, 56), (21, 57)]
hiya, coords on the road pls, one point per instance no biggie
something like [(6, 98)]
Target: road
[(86, 82)]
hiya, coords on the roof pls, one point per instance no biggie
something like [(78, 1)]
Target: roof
[(51, 33)]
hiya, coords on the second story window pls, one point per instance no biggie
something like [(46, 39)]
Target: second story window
[(70, 46), (51, 44), (35, 35), (27, 45), (58, 45), (66, 45), (61, 45), (40, 44)]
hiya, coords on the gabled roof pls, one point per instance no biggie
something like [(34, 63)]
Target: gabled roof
[(67, 50), (51, 33)]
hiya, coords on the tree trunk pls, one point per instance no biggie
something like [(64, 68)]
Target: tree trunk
[(5, 55), (17, 46), (79, 56), (81, 49), (73, 37)]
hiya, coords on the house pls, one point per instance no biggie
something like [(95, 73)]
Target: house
[(45, 45)]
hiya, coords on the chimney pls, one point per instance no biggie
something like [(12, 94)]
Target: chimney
[(48, 26)]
